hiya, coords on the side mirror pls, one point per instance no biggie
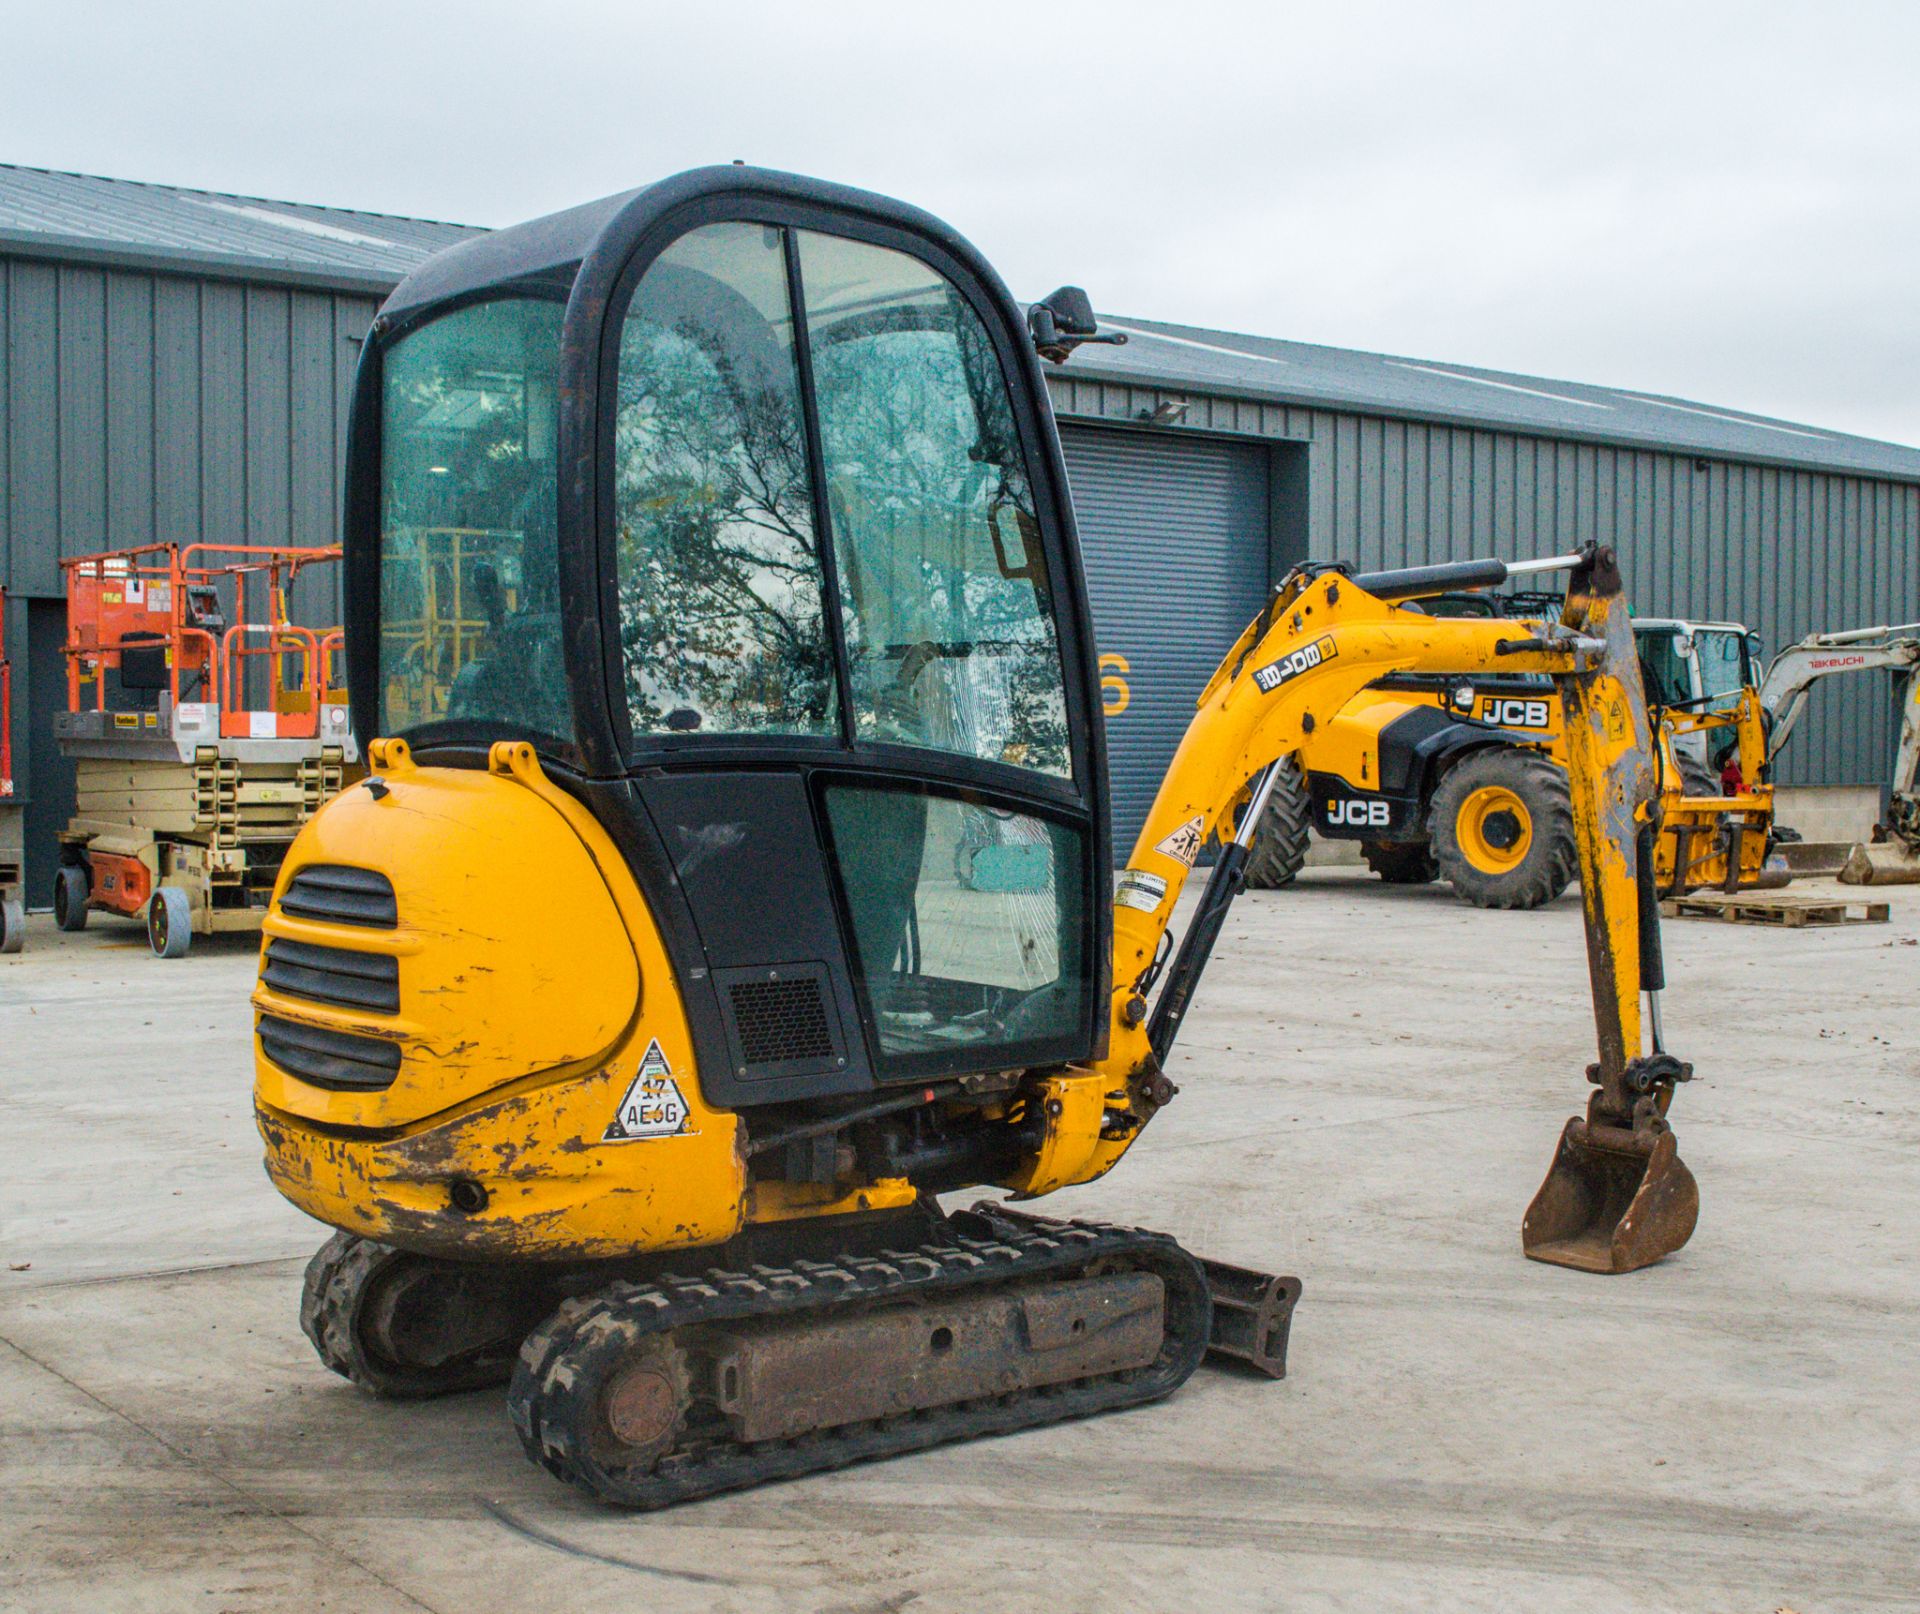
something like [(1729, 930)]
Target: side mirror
[(1062, 321)]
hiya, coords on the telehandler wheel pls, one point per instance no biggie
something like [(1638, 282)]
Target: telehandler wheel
[(169, 922), (1280, 843), (1401, 862), (13, 926), (70, 888), (406, 1327), (1502, 827)]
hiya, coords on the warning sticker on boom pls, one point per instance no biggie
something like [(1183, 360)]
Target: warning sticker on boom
[(1270, 677), (1183, 845), (653, 1107), (1139, 889)]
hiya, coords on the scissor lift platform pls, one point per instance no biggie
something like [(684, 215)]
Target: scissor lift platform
[(205, 728)]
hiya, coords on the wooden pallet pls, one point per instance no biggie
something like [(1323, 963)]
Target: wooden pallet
[(1791, 909)]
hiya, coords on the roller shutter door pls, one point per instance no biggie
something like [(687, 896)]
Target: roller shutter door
[(1174, 534)]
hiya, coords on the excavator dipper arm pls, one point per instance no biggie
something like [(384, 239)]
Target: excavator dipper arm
[(1321, 638)]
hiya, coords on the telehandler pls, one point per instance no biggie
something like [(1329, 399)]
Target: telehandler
[(1463, 780), (627, 1019)]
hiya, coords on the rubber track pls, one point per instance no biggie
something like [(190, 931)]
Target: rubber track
[(336, 1282), (563, 1363)]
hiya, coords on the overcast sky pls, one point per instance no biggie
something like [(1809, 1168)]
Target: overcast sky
[(1718, 201)]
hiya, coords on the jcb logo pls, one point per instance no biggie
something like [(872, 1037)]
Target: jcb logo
[(1359, 814), (1513, 713)]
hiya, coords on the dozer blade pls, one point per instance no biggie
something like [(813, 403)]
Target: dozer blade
[(1615, 1199), (1252, 1313), (1880, 863)]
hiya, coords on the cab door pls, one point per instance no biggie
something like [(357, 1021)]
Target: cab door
[(849, 685)]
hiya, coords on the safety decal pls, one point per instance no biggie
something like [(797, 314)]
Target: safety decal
[(1183, 845), (1270, 677), (653, 1107), (1139, 889)]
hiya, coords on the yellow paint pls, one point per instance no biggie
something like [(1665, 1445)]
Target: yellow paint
[(1696, 822), (523, 948), (1115, 696), (791, 1201), (1073, 1103), (1255, 709), (1476, 824)]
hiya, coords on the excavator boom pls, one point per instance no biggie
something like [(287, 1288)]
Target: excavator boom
[(1617, 1196)]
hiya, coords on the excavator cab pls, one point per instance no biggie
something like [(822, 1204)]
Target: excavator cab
[(738, 499)]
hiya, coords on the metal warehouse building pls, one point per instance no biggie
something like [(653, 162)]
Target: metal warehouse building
[(175, 364)]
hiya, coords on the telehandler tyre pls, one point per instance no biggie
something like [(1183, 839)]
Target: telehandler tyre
[(1502, 826), (1280, 843), (1401, 862)]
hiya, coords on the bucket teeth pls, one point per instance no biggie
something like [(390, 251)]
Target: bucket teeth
[(1615, 1199)]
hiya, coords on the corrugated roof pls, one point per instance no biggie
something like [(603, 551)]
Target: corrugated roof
[(170, 226), (1173, 358)]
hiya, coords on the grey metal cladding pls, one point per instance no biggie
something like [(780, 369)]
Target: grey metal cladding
[(1787, 551), (145, 407), (87, 218), (1299, 374)]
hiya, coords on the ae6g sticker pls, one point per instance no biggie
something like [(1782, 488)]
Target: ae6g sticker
[(653, 1106)]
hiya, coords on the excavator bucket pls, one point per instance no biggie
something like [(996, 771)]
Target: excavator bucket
[(1615, 1199), (1880, 863)]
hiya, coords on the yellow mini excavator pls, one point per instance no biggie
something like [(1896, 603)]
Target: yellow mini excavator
[(629, 1017)]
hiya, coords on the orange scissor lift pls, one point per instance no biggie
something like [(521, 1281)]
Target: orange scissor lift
[(205, 726), (13, 912)]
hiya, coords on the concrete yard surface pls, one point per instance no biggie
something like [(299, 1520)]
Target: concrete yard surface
[(1372, 1081)]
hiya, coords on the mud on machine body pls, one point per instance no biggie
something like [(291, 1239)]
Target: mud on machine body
[(712, 579)]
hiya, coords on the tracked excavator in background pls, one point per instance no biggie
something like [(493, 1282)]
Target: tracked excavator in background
[(1892, 857), (629, 1017)]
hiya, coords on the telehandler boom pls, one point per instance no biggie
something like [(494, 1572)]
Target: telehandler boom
[(627, 1020)]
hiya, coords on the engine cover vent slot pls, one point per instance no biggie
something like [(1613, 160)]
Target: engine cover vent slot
[(342, 895), (334, 975), (336, 1060), (781, 1019)]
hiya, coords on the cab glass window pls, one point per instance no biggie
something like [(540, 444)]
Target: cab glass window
[(469, 611), (721, 622), (944, 591), (1662, 670), (1723, 666), (967, 920)]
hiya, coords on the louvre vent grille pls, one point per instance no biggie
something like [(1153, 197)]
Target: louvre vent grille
[(779, 1020), (343, 895), (331, 1059), (335, 975)]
